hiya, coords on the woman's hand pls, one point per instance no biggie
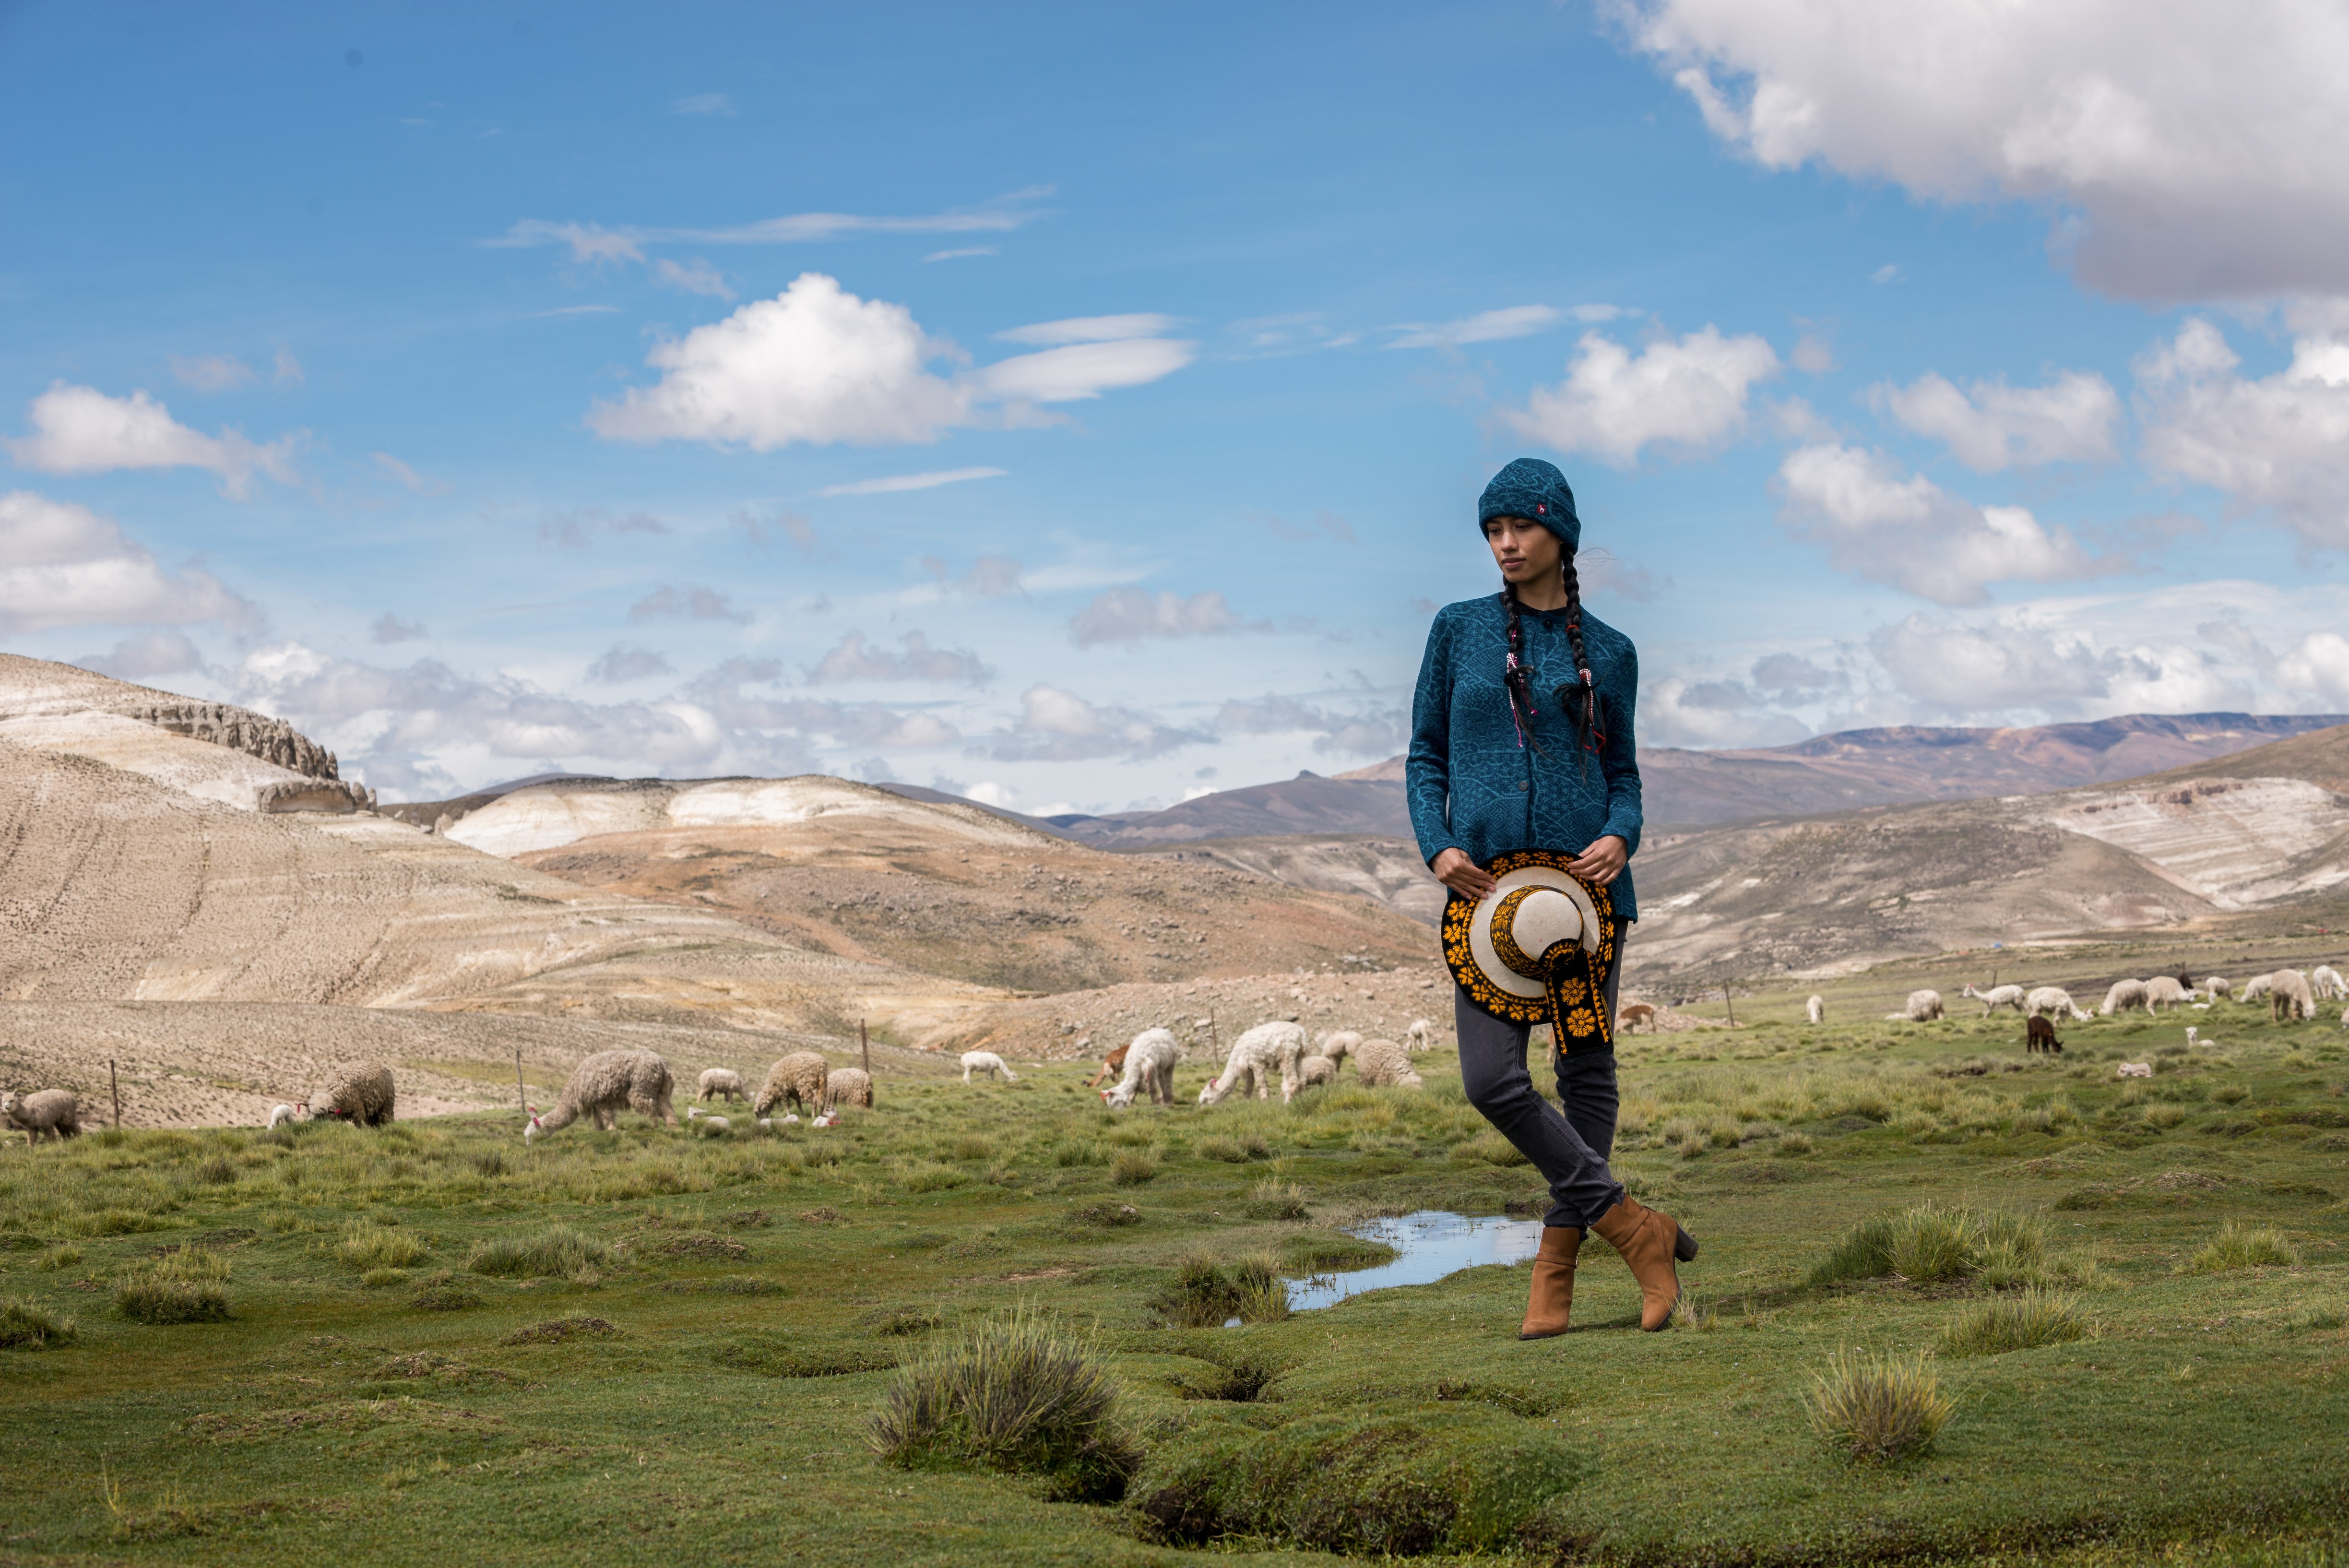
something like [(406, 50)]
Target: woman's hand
[(1464, 877), (1601, 863)]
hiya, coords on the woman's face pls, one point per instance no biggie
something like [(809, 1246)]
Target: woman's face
[(1525, 552)]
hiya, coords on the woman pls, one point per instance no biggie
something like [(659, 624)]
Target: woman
[(1521, 742)]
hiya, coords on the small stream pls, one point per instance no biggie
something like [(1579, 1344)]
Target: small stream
[(1433, 1243)]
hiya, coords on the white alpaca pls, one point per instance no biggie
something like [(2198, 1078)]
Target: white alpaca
[(2054, 1001), (1254, 1057), (2135, 1070), (1996, 997), (280, 1114), (1924, 1006), (1383, 1065), (1149, 1064), (722, 1083), (1815, 1009), (2256, 988), (2288, 996), (2163, 990), (1314, 1070), (1339, 1044), (2214, 988), (2124, 995), (2327, 983), (1420, 1036), (986, 1062)]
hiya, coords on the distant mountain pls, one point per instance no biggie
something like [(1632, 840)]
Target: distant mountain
[(1306, 804)]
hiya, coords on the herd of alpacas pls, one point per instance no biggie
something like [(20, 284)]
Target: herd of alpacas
[(610, 1082)]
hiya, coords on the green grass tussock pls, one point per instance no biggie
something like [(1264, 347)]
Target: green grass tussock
[(371, 1246), (26, 1325), (2021, 1322), (2239, 1246), (1011, 1395), (1930, 1244), (556, 1252), (1878, 1409), (184, 1287)]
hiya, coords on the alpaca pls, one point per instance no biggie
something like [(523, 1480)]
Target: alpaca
[(1339, 1044), (708, 1125), (2134, 1070), (1312, 1070), (2162, 991), (1254, 1057), (45, 1113), (1150, 1058), (1924, 1007), (2289, 997), (1815, 1009), (2256, 988), (2327, 983), (720, 1083), (1996, 997), (1111, 1066), (1635, 1013), (361, 1093), (1383, 1064), (2124, 995), (2053, 999), (2214, 988), (2039, 1036), (280, 1114), (848, 1086), (986, 1062), (604, 1085), (798, 1077), (1420, 1036)]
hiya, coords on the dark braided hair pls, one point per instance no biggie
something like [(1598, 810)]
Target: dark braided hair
[(1577, 699)]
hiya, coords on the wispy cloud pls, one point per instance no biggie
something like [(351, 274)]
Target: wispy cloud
[(577, 310), (594, 242), (212, 372), (960, 252), (1498, 326), (80, 429), (900, 482), (708, 103), (1091, 329)]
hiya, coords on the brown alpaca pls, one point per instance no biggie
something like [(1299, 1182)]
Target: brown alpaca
[(2038, 1034), (1636, 1013), (1111, 1066)]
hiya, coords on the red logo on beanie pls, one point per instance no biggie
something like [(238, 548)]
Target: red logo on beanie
[(1541, 508)]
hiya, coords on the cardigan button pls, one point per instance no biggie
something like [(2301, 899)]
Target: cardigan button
[(1526, 785)]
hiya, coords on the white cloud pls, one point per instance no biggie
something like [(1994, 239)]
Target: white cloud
[(1675, 710), (704, 103), (853, 659), (666, 603), (2199, 146), (62, 565), (389, 629), (1813, 354), (1090, 329), (287, 368), (695, 276), (149, 654), (2280, 442), (1128, 614), (212, 372), (1991, 426), (623, 664), (1959, 669), (1085, 369), (1909, 532), (577, 530), (987, 578), (960, 253), (1372, 733), (2320, 666), (406, 476), (896, 483), (1059, 726), (594, 243), (80, 429), (1686, 395), (1484, 327)]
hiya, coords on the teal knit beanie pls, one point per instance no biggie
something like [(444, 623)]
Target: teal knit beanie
[(1536, 491)]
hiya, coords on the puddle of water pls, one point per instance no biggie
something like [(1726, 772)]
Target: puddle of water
[(1432, 1244)]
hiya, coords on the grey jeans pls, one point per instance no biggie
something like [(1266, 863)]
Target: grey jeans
[(1570, 1149)]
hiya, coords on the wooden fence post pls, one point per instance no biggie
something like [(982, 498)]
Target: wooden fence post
[(1725, 1002), (522, 1096), (864, 1048), (115, 1082)]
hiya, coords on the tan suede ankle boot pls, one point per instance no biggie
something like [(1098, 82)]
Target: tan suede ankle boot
[(1553, 1292), (1648, 1243)]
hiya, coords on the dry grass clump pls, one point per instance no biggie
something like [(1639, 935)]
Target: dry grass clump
[(1878, 1409), (1930, 1244), (2023, 1322), (1228, 1150), (1010, 1395), (554, 1253), (185, 1286), (25, 1325), (1276, 1198), (1489, 1148), (369, 1245), (1133, 1167), (2239, 1246)]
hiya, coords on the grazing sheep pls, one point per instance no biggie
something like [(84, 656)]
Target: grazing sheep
[(1420, 1036), (1996, 997), (2123, 995), (44, 1113), (1312, 1070), (2214, 988), (1815, 1009), (1150, 1058), (798, 1077), (1383, 1065), (2162, 991), (1924, 1007), (2134, 1070), (361, 1093), (986, 1062), (720, 1083), (2038, 1034), (605, 1084), (2256, 988), (280, 1114), (1635, 1013), (1254, 1057), (1339, 1044), (2289, 997), (848, 1086), (2053, 999), (2327, 983), (1112, 1065)]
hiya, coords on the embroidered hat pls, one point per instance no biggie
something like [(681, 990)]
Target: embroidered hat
[(1537, 949), (1533, 489)]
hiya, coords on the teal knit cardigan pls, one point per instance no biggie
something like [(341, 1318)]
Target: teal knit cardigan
[(1471, 784)]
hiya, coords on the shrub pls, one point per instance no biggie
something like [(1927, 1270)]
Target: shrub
[(1133, 1167), (1878, 1409), (1930, 1243), (371, 1246), (1012, 1396), (1462, 1480), (180, 1287), (26, 1326), (551, 1254), (2241, 1247), (2017, 1323)]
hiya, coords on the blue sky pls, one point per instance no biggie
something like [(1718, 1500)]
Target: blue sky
[(1086, 406)]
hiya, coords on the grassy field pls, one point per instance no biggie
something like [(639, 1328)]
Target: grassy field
[(428, 1344)]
